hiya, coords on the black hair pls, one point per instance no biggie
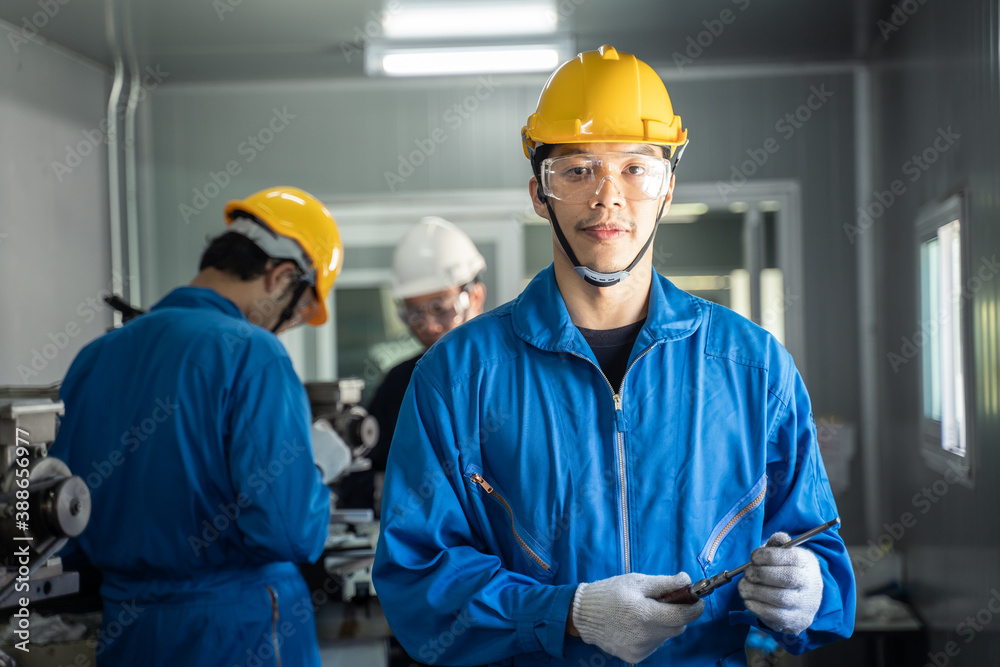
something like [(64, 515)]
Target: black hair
[(236, 255)]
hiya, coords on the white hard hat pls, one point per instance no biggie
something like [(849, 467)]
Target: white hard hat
[(432, 256)]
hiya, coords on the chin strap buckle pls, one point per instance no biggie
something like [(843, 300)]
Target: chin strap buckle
[(601, 279)]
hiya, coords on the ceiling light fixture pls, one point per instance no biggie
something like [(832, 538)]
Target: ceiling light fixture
[(445, 60), (437, 20)]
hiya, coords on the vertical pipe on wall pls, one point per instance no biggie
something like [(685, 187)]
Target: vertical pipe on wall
[(131, 188), (114, 175), (753, 255), (867, 305)]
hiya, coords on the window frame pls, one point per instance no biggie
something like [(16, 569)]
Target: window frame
[(929, 220)]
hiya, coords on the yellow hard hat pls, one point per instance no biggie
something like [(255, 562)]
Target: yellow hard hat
[(297, 215), (607, 96)]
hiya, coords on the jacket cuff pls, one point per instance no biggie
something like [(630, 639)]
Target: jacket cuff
[(547, 631)]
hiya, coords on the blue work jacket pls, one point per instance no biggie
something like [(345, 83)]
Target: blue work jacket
[(191, 429), (517, 471)]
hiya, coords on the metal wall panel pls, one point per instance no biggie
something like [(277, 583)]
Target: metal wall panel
[(54, 238), (937, 71)]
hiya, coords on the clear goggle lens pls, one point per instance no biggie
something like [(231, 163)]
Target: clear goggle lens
[(577, 178), (445, 311)]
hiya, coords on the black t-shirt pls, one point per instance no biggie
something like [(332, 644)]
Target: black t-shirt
[(612, 348)]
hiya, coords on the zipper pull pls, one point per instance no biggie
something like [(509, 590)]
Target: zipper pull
[(478, 479), (274, 601), (619, 414)]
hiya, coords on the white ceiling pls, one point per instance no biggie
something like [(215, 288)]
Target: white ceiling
[(264, 39)]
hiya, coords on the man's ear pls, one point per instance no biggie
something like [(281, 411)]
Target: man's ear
[(477, 296), (278, 276), (669, 197), (534, 190)]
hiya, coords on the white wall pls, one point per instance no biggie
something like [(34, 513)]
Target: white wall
[(54, 234)]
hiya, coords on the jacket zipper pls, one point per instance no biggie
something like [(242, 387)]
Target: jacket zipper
[(732, 522), (274, 624), (488, 488), (619, 423)]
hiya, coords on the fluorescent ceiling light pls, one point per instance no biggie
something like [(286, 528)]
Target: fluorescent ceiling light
[(688, 209), (469, 60), (418, 21)]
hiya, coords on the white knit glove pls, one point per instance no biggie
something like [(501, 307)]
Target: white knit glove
[(783, 586), (621, 616), (330, 453)]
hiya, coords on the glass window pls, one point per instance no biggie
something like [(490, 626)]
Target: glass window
[(371, 338), (942, 373), (940, 341)]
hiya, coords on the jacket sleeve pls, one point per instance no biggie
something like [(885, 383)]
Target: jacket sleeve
[(447, 601), (284, 506), (799, 499)]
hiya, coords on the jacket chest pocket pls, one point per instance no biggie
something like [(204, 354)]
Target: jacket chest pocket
[(519, 549)]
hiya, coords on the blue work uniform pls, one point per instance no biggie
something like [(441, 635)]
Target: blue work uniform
[(192, 431), (517, 471)]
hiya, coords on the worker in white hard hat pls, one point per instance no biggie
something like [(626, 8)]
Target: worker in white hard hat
[(436, 285), (435, 279)]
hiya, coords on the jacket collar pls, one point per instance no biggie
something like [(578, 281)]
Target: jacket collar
[(198, 297), (540, 317)]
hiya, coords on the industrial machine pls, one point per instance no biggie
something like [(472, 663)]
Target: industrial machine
[(350, 547), (42, 505)]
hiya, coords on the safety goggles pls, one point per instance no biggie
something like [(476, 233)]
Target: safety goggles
[(577, 178), (305, 308), (446, 310), (308, 305)]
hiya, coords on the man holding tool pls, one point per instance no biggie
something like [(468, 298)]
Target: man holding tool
[(565, 460)]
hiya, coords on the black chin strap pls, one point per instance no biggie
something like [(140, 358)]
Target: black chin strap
[(289, 310), (593, 277)]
